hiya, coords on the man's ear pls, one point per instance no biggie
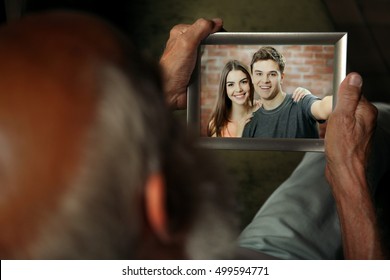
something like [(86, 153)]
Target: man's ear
[(155, 203)]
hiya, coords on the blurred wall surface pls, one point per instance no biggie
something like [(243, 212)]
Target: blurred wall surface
[(152, 19), (148, 21)]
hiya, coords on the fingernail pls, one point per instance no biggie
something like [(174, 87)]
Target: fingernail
[(218, 24), (218, 21), (355, 80)]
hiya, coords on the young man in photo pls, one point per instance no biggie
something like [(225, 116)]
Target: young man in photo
[(280, 116)]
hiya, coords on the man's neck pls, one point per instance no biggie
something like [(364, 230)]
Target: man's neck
[(275, 102)]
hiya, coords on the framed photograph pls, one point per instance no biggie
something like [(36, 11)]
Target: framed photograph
[(315, 62)]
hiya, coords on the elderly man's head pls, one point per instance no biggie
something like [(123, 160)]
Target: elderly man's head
[(92, 165)]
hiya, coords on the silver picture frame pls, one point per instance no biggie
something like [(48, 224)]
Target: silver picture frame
[(337, 41)]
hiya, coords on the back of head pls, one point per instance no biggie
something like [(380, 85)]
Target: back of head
[(82, 125)]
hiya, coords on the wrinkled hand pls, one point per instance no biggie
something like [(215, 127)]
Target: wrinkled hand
[(179, 58), (347, 145), (350, 127), (299, 93)]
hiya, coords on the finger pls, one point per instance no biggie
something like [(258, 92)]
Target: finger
[(297, 94), (300, 95), (349, 94), (367, 111), (201, 29), (218, 25), (178, 30)]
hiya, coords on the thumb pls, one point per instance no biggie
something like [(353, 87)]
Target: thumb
[(349, 93)]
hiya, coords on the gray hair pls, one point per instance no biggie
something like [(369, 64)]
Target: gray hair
[(135, 135)]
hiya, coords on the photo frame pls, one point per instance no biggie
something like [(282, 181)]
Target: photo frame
[(324, 52)]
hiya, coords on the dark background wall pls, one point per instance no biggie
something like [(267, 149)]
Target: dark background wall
[(148, 22)]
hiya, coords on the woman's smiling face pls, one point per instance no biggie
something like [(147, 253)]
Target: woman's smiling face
[(237, 87)]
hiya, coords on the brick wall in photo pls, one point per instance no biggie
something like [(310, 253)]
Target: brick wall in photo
[(308, 66)]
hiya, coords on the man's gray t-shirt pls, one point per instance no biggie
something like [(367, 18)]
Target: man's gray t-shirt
[(289, 120)]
